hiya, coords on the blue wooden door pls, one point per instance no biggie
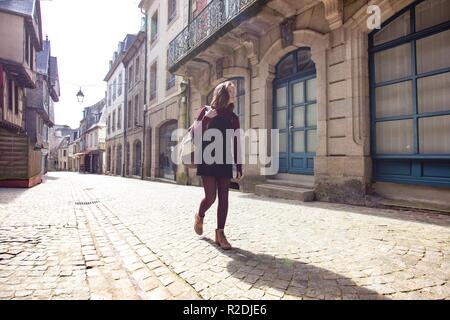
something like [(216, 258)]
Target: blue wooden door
[(295, 114)]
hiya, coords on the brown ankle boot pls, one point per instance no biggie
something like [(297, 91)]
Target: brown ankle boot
[(221, 240), (198, 225)]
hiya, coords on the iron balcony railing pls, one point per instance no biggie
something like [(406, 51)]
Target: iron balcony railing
[(207, 23)]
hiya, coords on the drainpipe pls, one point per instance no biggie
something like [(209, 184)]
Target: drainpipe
[(145, 101)]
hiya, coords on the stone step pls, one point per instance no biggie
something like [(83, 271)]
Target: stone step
[(290, 183), (285, 192)]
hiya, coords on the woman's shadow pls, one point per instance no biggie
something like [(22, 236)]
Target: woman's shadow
[(296, 279)]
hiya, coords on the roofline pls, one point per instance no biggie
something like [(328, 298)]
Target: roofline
[(138, 41), (118, 61)]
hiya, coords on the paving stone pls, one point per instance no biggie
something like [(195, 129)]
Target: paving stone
[(355, 253)]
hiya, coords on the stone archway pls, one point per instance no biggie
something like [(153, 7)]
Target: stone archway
[(318, 43)]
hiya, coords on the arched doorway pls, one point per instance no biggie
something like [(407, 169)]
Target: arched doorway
[(295, 111), (137, 158), (167, 168), (119, 160)]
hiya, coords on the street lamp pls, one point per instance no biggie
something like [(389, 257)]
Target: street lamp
[(80, 96)]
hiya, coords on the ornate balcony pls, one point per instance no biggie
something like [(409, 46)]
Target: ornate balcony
[(218, 17)]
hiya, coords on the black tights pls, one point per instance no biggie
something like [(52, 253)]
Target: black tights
[(221, 186)]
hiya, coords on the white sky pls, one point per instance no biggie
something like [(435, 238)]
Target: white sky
[(84, 34)]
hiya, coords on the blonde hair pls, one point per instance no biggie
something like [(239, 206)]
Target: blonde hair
[(221, 97)]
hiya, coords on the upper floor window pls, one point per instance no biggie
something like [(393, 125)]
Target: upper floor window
[(114, 121), (136, 110), (130, 113), (154, 27), (114, 90), (153, 80), (170, 80), (109, 95), (136, 78), (119, 118), (108, 124), (119, 89), (16, 99), (172, 10), (130, 77), (27, 48), (10, 94)]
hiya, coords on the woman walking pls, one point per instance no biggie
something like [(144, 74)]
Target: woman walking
[(216, 177)]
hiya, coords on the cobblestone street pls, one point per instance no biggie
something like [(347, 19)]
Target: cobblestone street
[(99, 237)]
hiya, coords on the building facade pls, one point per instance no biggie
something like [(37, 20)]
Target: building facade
[(56, 135), (63, 155), (21, 29), (40, 115), (134, 63), (360, 111), (74, 150), (95, 140), (115, 106), (166, 101), (91, 153)]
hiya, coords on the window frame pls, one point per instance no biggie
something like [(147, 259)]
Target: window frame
[(136, 70), (154, 81), (130, 76), (411, 39), (136, 110), (10, 94), (119, 85), (154, 27), (240, 92), (414, 162), (172, 7), (119, 118), (16, 99)]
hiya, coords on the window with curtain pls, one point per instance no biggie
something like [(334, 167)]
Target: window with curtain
[(410, 83)]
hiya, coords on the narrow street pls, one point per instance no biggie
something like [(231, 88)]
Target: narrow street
[(100, 237)]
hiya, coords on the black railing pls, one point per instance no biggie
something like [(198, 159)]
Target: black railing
[(210, 20)]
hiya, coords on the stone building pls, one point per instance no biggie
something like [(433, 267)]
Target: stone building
[(56, 135), (115, 105), (74, 150), (360, 111), (166, 101), (63, 155), (134, 63), (91, 132)]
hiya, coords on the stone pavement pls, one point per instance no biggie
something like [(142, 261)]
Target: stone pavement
[(98, 237)]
